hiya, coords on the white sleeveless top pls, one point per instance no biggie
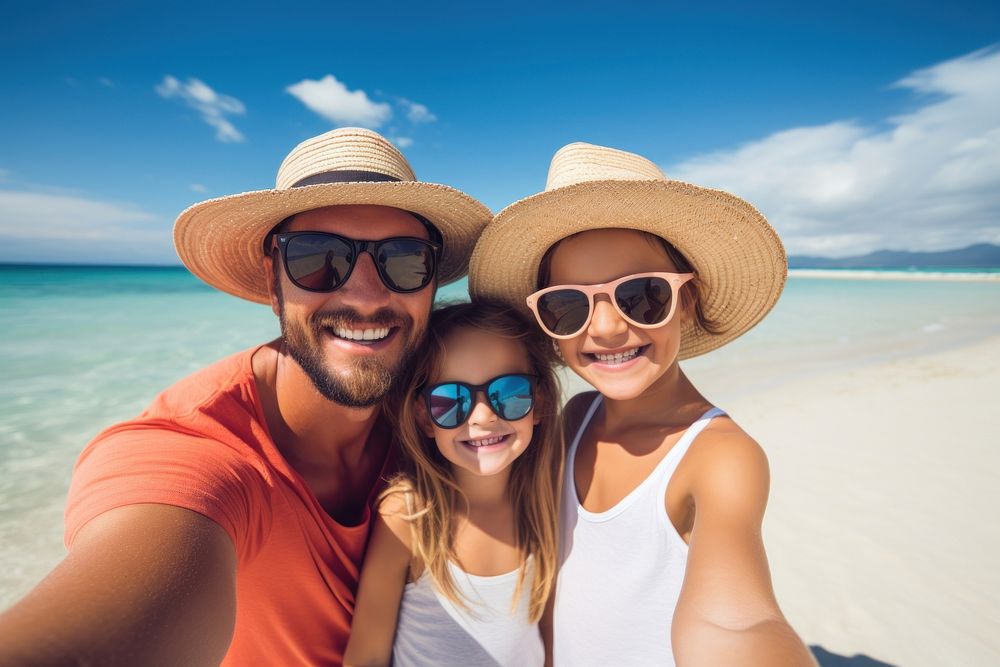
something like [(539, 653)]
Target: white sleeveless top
[(621, 570), (432, 630)]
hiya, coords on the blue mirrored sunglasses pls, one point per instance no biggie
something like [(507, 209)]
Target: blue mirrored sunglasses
[(510, 396)]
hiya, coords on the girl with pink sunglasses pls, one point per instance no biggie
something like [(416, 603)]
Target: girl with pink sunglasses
[(628, 272)]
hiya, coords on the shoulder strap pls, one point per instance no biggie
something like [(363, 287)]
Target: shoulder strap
[(583, 424), (678, 451)]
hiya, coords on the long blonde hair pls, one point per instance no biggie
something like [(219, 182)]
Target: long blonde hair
[(427, 482)]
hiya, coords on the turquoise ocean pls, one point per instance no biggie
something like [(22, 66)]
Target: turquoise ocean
[(83, 347)]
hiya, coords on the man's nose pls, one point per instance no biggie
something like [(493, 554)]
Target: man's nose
[(364, 289)]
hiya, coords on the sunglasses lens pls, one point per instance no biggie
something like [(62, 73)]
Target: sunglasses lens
[(511, 396), (318, 261), (406, 265), (563, 312), (449, 404), (645, 300)]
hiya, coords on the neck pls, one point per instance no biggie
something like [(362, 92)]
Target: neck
[(306, 427), (670, 401), (482, 491)]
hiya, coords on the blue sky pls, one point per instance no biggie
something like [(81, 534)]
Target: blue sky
[(852, 126)]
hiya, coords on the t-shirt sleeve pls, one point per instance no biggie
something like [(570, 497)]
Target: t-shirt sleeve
[(156, 465)]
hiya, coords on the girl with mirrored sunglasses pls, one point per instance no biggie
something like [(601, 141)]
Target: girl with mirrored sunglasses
[(462, 558)]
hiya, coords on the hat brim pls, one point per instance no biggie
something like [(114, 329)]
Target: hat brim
[(220, 240), (738, 257)]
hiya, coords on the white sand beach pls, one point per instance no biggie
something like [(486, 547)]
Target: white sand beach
[(882, 528)]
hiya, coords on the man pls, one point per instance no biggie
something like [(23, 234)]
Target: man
[(228, 521)]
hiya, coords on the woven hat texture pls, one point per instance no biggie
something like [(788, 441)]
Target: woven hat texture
[(220, 240)]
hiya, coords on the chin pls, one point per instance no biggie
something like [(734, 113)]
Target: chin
[(620, 389), (618, 393)]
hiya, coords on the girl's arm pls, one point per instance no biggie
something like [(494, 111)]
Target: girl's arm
[(380, 589), (727, 613)]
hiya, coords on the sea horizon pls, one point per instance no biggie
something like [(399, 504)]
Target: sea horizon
[(792, 271)]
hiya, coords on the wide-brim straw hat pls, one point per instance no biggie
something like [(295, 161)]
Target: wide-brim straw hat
[(221, 240), (737, 256)]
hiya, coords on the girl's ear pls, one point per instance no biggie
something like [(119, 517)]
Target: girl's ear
[(424, 419)]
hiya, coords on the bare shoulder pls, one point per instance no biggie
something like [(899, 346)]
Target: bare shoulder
[(727, 605), (728, 468), (574, 411), (395, 511)]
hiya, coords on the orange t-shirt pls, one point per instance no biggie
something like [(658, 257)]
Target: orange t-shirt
[(203, 444)]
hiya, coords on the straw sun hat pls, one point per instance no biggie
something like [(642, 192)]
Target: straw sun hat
[(220, 240), (736, 254)]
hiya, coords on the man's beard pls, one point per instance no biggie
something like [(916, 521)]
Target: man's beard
[(368, 379)]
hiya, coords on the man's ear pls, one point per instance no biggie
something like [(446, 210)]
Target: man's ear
[(423, 419), (269, 269)]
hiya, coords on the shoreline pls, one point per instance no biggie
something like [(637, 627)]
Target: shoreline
[(895, 274)]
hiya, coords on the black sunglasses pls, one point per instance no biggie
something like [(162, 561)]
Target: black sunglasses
[(511, 397), (322, 262)]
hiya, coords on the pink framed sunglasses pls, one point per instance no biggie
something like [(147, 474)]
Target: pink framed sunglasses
[(646, 300)]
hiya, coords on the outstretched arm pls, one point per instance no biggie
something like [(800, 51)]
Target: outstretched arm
[(142, 584), (727, 613), (380, 589)]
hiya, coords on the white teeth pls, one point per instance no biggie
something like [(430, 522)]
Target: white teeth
[(483, 442), (619, 357), (361, 334)]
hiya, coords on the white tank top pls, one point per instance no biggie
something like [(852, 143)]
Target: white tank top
[(432, 630), (621, 570)]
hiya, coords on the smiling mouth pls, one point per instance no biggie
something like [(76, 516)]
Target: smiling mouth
[(363, 336), (617, 358), (488, 441)]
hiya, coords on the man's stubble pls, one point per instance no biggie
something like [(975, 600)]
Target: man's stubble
[(365, 381)]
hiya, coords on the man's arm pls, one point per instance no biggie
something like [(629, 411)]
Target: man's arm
[(142, 584), (727, 613)]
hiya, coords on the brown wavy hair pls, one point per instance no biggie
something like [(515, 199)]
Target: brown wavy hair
[(427, 484)]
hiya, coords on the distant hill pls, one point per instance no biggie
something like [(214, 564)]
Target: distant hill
[(979, 256)]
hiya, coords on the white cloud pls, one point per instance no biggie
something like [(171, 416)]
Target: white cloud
[(106, 82), (331, 99), (213, 106), (67, 217), (929, 179), (199, 188), (45, 226), (417, 113), (403, 142)]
